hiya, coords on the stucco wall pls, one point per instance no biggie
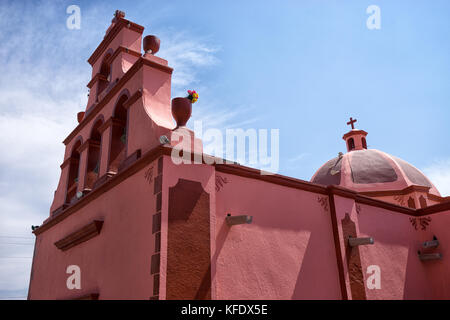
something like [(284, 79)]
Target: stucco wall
[(171, 176), (395, 251), (115, 263), (286, 253), (437, 272)]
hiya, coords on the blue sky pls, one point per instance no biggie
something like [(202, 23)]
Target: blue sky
[(303, 67)]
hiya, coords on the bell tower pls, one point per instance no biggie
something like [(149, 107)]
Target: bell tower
[(119, 50), (127, 111), (109, 207)]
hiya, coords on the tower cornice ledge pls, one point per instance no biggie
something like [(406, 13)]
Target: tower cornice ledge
[(354, 132), (95, 109), (122, 23), (120, 49)]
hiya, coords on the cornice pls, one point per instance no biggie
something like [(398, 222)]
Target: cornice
[(95, 109), (437, 208), (120, 49), (79, 236), (88, 143), (311, 187), (239, 171), (157, 65), (68, 161), (109, 184), (111, 122), (353, 133), (437, 198), (97, 77), (275, 178), (131, 100), (120, 24), (405, 191), (91, 296)]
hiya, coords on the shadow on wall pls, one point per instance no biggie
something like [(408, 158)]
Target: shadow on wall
[(188, 242), (415, 288), (314, 279), (395, 250)]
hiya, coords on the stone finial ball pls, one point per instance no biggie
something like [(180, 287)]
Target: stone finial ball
[(80, 116), (119, 14), (151, 44)]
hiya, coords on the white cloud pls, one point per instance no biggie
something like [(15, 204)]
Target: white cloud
[(187, 54), (298, 157), (439, 174), (40, 94), (214, 115)]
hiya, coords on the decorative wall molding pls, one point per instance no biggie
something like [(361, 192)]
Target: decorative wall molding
[(91, 296), (148, 175), (122, 23), (220, 181), (68, 161), (135, 97), (437, 198), (60, 209), (323, 202), (436, 208), (100, 181), (88, 143), (96, 78), (404, 191), (132, 158), (81, 235), (423, 222), (400, 199)]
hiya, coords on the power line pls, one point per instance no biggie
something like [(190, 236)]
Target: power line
[(16, 257), (18, 237), (25, 244)]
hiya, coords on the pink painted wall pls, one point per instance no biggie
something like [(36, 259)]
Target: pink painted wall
[(151, 115), (171, 174), (403, 275), (115, 263), (286, 253), (144, 131), (126, 38), (437, 272)]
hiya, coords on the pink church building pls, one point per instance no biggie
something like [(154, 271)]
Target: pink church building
[(139, 226)]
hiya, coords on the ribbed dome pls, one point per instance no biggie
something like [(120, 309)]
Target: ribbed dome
[(371, 170)]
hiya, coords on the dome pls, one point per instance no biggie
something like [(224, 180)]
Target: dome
[(367, 170)]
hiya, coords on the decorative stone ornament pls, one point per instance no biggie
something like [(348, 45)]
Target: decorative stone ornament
[(151, 44), (80, 116), (181, 110), (119, 15)]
